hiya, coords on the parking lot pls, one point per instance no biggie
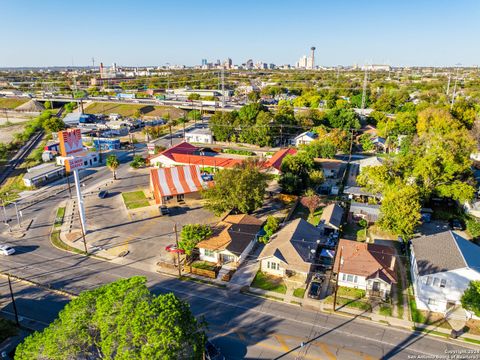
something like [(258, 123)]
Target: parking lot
[(143, 235)]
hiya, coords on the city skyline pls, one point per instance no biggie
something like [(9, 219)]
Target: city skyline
[(147, 33)]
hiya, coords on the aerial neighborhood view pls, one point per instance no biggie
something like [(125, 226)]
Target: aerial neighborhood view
[(240, 180)]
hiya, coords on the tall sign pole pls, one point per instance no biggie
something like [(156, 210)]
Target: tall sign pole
[(81, 207)]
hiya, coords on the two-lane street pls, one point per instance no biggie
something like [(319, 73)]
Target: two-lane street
[(242, 325)]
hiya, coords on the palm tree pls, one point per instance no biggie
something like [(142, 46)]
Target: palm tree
[(113, 164)]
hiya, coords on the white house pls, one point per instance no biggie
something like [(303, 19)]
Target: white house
[(369, 267), (232, 241), (292, 250), (199, 135), (442, 266), (304, 138)]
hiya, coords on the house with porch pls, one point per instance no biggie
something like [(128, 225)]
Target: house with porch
[(369, 267), (442, 266), (304, 138), (232, 240), (291, 251)]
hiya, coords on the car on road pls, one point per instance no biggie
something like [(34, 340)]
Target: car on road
[(315, 290), (456, 224), (103, 194), (212, 352), (6, 249), (174, 249)]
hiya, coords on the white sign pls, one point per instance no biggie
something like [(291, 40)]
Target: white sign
[(74, 163)]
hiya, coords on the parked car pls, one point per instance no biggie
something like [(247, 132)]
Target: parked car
[(174, 249), (6, 249), (103, 194), (212, 352), (164, 210), (315, 290), (456, 224)]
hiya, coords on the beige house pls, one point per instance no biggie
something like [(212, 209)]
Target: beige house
[(232, 241), (291, 251)]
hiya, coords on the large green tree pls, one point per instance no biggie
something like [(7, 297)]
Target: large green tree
[(471, 298), (121, 320), (400, 210), (191, 235), (240, 189)]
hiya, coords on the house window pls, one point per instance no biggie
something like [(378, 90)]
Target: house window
[(432, 302), (273, 266), (350, 278), (209, 253), (443, 283), (429, 281), (344, 277), (436, 281), (355, 279)]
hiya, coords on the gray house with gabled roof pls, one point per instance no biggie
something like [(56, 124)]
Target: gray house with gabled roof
[(442, 266)]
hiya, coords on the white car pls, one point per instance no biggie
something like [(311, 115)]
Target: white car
[(6, 249)]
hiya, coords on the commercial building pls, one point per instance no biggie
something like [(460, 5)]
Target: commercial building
[(180, 182), (199, 135), (76, 119), (43, 174), (106, 143)]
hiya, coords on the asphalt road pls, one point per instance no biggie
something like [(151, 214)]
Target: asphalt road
[(244, 327)]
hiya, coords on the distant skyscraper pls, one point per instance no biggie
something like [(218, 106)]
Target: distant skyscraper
[(204, 62), (249, 64), (307, 62), (228, 63)]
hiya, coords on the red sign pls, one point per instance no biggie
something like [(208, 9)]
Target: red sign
[(74, 163)]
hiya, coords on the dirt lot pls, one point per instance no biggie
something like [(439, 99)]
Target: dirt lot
[(12, 103), (6, 133)]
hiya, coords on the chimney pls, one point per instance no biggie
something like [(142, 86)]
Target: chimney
[(392, 263)]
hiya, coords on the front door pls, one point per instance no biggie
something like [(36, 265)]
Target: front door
[(376, 286), (228, 258)]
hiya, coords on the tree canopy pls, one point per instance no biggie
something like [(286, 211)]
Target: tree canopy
[(471, 298), (240, 189), (191, 235), (121, 320)]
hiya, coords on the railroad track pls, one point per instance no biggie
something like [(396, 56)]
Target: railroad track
[(18, 158)]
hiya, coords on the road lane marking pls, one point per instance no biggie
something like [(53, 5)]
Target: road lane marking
[(326, 350), (282, 342)]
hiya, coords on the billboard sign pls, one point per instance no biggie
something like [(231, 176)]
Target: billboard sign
[(70, 142), (73, 164)]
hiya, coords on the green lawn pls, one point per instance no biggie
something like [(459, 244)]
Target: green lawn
[(135, 199), (130, 109), (350, 292), (299, 293), (302, 212), (12, 103), (358, 304), (205, 265), (59, 217), (385, 310), (269, 283)]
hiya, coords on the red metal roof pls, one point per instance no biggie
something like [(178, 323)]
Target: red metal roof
[(276, 160)]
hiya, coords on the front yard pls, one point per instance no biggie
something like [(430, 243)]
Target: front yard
[(269, 283), (135, 199), (302, 212)]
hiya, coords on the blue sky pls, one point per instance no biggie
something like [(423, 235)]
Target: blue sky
[(141, 32)]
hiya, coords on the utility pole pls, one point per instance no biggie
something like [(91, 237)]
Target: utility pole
[(223, 87), (454, 89), (336, 280), (16, 212), (93, 64), (448, 84), (171, 139), (13, 301), (178, 254), (364, 92)]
